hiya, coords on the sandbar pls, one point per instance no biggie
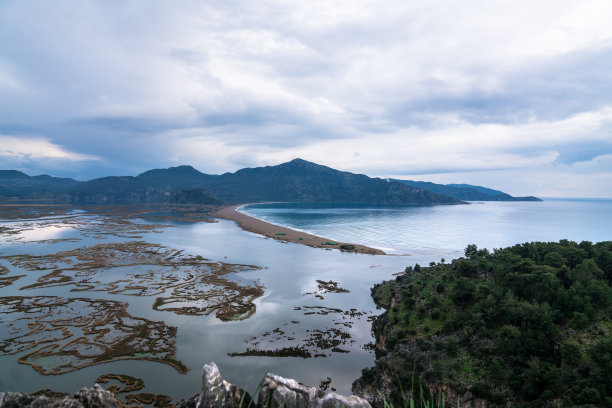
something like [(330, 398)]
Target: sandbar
[(281, 233)]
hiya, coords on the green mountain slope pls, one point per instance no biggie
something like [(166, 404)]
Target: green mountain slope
[(303, 181), (295, 181)]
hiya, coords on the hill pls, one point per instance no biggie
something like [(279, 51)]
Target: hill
[(527, 325), (14, 183), (303, 181), (153, 186), (295, 181), (466, 192)]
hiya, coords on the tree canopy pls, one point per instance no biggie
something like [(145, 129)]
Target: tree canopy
[(527, 325)]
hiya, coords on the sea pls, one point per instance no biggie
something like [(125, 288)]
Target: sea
[(294, 310), (445, 230)]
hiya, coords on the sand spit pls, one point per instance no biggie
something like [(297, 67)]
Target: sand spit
[(280, 233)]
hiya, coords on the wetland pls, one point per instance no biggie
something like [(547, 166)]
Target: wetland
[(139, 298)]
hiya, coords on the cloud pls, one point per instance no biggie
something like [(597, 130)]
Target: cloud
[(461, 146), (415, 87), (36, 149), (9, 82)]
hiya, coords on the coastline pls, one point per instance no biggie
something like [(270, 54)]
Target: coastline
[(280, 233)]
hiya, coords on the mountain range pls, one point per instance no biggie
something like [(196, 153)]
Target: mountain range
[(466, 192), (294, 181)]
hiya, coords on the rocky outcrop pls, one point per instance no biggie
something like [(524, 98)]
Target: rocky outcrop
[(275, 392), (95, 397), (215, 389)]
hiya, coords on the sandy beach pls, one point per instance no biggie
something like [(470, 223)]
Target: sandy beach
[(279, 233)]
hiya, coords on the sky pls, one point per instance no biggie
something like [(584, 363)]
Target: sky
[(514, 95)]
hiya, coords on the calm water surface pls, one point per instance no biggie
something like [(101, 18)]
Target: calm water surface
[(447, 229), (289, 271)]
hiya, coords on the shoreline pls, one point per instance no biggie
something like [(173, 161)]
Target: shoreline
[(285, 234)]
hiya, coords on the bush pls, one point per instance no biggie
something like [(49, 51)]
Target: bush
[(452, 346), (580, 321)]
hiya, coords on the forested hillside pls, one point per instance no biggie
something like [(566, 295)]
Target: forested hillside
[(294, 181), (466, 192), (528, 325)]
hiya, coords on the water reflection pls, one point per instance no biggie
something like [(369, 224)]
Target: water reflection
[(447, 229), (290, 276)]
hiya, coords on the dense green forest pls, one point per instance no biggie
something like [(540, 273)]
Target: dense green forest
[(527, 325)]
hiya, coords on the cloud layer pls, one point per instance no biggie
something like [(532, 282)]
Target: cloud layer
[(451, 91)]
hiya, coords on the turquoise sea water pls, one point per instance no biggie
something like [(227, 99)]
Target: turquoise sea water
[(446, 230)]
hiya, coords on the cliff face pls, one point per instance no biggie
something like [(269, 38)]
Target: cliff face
[(384, 383)]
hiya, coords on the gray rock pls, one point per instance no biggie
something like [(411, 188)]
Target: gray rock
[(96, 397), (191, 402), (277, 391), (333, 400), (215, 388)]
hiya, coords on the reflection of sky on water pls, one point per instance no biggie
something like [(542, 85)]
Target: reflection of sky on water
[(289, 270), (447, 229), (39, 232), (44, 233)]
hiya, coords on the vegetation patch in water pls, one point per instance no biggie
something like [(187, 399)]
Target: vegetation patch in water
[(293, 351), (123, 387), (124, 384), (129, 383), (7, 280), (157, 400), (57, 335), (317, 342), (83, 224), (325, 287), (49, 393), (198, 286)]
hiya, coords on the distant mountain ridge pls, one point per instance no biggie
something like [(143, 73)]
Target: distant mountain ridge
[(16, 183), (294, 181), (466, 192), (303, 181)]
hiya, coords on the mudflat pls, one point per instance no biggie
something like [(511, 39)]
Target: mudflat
[(280, 233)]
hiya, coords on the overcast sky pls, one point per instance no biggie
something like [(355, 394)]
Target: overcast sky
[(514, 95)]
